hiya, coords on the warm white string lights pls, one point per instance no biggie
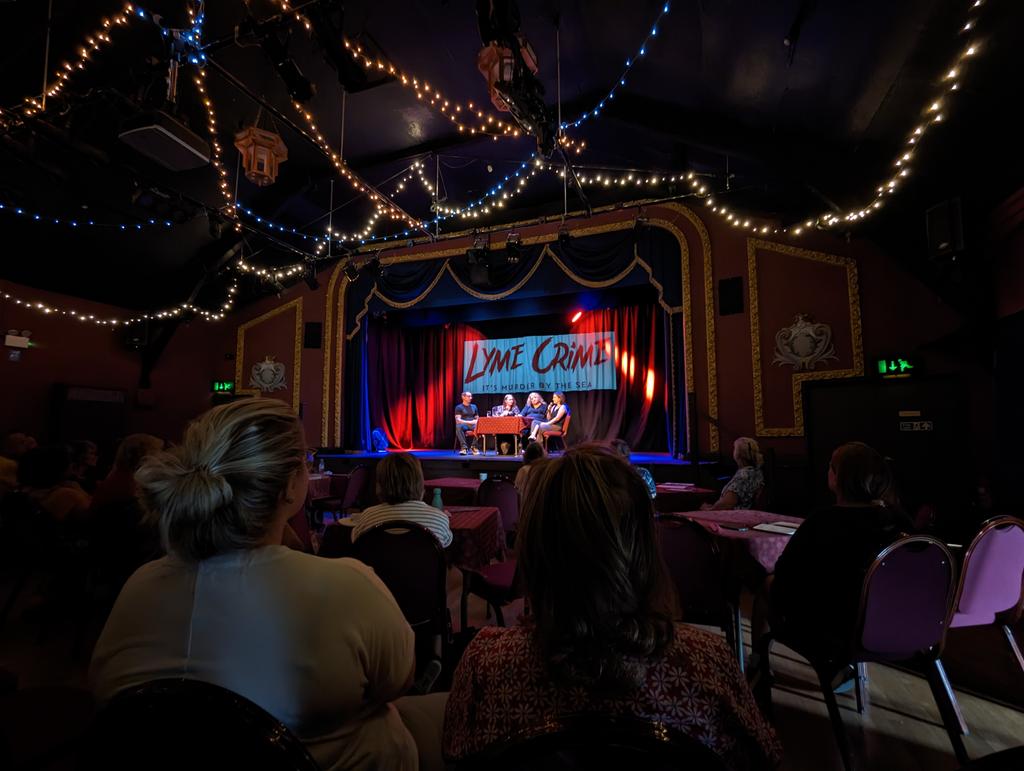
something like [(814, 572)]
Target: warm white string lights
[(91, 44), (112, 321), (935, 111)]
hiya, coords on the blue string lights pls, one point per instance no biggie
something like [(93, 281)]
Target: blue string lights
[(76, 222), (621, 82)]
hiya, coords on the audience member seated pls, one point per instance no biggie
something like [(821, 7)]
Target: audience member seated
[(119, 484), (815, 592), (600, 637), (318, 643), (742, 490), (43, 476), (12, 449), (533, 453), (85, 457), (620, 446), (400, 486)]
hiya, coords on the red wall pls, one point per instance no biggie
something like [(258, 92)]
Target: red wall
[(84, 354)]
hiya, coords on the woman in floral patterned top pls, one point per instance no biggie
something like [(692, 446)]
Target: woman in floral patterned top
[(601, 636), (747, 483)]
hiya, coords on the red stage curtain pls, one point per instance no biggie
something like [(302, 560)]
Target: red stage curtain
[(415, 378)]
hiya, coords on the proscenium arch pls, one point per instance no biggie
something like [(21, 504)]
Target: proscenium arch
[(336, 336)]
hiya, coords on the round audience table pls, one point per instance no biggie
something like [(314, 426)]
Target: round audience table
[(455, 491), (682, 496), (749, 555)]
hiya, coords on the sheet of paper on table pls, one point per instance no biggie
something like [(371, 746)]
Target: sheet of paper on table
[(782, 528)]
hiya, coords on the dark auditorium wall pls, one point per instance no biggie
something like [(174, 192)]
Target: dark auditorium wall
[(73, 353), (839, 283)]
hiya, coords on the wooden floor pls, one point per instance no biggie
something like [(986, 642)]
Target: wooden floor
[(901, 729)]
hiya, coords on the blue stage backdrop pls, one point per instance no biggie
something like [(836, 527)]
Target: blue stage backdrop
[(580, 362)]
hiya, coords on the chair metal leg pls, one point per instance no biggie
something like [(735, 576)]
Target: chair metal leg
[(949, 708), (737, 620), (836, 719), (1013, 646), (464, 604), (498, 616), (861, 687)]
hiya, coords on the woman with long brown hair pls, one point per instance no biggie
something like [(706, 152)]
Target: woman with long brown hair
[(600, 637)]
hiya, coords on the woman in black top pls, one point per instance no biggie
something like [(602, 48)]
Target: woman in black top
[(815, 592)]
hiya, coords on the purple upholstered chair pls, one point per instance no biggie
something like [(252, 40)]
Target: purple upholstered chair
[(991, 589), (504, 496), (694, 562), (498, 584), (903, 610)]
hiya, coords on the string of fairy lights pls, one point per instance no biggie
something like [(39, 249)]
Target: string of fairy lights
[(468, 118), (934, 112), (48, 309)]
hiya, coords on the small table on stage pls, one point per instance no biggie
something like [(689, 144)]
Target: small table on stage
[(491, 426)]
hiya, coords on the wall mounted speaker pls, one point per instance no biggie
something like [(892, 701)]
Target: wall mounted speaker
[(313, 333), (730, 296)]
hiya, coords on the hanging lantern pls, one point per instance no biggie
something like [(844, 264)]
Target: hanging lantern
[(261, 151)]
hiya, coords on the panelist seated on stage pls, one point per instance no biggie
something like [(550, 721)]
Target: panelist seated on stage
[(536, 410), (507, 409), (465, 420), (557, 412), (400, 486)]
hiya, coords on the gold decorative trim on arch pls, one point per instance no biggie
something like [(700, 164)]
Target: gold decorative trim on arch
[(297, 352), (546, 238), (709, 317), (856, 341)]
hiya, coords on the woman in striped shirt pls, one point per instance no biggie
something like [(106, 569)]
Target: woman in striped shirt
[(400, 486)]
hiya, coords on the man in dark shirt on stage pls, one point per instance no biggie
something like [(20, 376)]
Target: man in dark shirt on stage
[(465, 420)]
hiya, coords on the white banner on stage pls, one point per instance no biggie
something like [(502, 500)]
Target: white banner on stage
[(580, 362)]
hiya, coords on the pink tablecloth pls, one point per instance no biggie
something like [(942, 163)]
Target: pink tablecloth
[(477, 536), (680, 496), (764, 548), (455, 491), (319, 486)]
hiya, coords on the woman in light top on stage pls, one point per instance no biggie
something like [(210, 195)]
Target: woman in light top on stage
[(507, 408), (556, 414)]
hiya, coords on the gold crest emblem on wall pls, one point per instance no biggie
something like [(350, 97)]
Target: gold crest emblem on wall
[(268, 375), (804, 344)]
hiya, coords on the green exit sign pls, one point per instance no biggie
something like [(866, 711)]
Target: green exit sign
[(222, 386), (896, 367)]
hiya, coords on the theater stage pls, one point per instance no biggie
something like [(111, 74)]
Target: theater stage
[(448, 463)]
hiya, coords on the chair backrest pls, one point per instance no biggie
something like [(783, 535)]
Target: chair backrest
[(992, 578), (598, 741), (905, 600), (503, 495), (337, 541), (695, 567), (357, 482), (176, 723), (410, 561)]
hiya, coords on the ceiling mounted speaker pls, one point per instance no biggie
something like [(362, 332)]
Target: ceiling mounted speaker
[(164, 140)]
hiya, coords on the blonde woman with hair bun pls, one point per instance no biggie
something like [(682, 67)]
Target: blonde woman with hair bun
[(318, 643), (746, 484)]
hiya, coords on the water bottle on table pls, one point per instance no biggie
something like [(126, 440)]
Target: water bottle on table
[(437, 503)]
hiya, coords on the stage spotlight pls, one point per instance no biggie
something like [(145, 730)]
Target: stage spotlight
[(563, 236), (351, 272), (576, 317)]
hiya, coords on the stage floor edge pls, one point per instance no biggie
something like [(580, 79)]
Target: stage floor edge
[(441, 463)]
